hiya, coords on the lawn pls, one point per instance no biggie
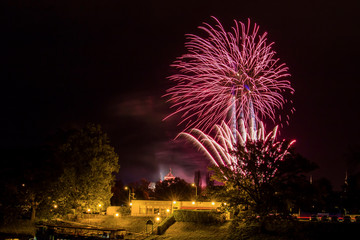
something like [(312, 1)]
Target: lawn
[(131, 224), (188, 230), (19, 227)]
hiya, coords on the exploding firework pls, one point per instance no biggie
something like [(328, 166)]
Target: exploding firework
[(255, 146), (228, 73)]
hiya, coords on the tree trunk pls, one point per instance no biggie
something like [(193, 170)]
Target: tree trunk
[(33, 213)]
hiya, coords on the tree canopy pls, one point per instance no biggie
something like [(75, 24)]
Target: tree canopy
[(174, 189), (261, 178), (89, 164), (74, 170)]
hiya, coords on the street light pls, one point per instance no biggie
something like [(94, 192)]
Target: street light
[(127, 188), (194, 185)]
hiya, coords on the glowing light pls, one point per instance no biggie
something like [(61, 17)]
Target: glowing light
[(158, 219), (220, 150), (167, 210), (116, 214), (193, 203), (212, 203), (99, 205), (55, 206), (130, 204), (88, 209), (236, 69), (174, 202)]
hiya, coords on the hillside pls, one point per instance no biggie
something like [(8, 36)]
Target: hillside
[(189, 231)]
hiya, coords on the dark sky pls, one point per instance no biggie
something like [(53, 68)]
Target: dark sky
[(66, 63)]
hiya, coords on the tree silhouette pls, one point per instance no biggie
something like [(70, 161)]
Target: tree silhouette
[(262, 179), (175, 189), (89, 164)]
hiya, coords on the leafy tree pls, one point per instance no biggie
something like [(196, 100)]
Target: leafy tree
[(74, 170), (26, 177), (262, 178), (140, 189), (351, 195), (89, 164), (120, 195), (175, 189), (351, 187)]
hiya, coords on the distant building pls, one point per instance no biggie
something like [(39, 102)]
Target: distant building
[(169, 176), (152, 186), (197, 179), (209, 182), (164, 208)]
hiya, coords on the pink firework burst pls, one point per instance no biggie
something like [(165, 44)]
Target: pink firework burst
[(227, 70), (226, 150)]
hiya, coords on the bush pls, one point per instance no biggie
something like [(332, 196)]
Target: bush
[(124, 211), (199, 216), (165, 224)]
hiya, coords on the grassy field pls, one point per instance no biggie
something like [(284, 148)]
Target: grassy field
[(19, 227), (278, 231), (188, 230), (132, 224)]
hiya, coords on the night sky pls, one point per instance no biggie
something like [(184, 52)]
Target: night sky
[(67, 63)]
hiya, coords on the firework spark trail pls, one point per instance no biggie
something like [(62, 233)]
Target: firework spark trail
[(239, 63), (220, 150)]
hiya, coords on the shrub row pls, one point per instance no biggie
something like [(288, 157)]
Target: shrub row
[(199, 216), (164, 225)]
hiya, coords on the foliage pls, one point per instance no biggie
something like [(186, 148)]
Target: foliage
[(199, 216), (120, 195), (164, 225), (27, 175), (351, 196), (289, 230), (175, 189), (124, 210), (89, 162), (261, 177), (140, 189), (351, 188)]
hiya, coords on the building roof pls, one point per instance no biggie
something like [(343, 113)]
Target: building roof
[(169, 176)]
